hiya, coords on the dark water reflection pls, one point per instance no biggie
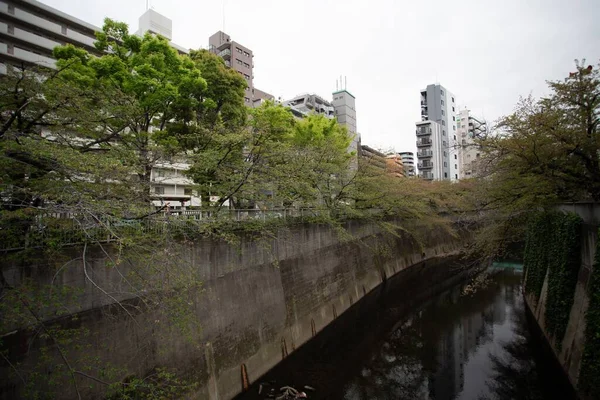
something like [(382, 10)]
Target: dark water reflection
[(463, 344)]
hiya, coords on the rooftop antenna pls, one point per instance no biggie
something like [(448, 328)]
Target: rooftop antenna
[(223, 12)]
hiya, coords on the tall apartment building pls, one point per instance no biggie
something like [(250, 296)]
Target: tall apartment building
[(408, 161), (241, 59), (469, 128), (438, 113), (30, 30), (344, 104), (431, 151)]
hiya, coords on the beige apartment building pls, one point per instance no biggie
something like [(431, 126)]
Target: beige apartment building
[(241, 59)]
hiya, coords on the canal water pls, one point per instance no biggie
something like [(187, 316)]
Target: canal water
[(471, 340)]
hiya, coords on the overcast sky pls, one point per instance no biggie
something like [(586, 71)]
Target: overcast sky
[(487, 53)]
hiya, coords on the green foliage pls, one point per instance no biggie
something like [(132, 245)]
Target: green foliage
[(158, 385), (589, 375), (563, 264), (537, 250), (547, 150), (553, 247)]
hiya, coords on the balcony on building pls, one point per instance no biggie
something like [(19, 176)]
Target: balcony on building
[(425, 165), (225, 54), (427, 175), (425, 153), (423, 131), (423, 142)]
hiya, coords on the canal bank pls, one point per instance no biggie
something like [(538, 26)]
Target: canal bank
[(466, 338)]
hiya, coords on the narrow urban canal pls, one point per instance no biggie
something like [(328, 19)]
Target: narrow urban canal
[(471, 340)]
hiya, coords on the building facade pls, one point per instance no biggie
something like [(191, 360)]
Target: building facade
[(305, 104), (408, 162), (373, 157), (344, 104), (438, 105), (241, 59), (30, 30), (432, 152), (395, 166), (468, 129)]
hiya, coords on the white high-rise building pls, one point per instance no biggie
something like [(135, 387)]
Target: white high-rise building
[(468, 129), (438, 106), (408, 161), (344, 104)]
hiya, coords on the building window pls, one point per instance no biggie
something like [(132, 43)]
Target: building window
[(247, 76), (455, 176), (63, 29), (455, 156), (443, 122), (247, 54), (442, 102), (159, 190), (11, 29), (455, 166), (187, 191), (453, 118), (443, 112), (445, 164), (238, 61), (239, 50), (454, 137), (443, 132), (11, 9), (441, 92), (453, 108), (445, 174), (10, 49), (444, 154), (246, 65), (453, 99), (453, 127), (247, 100)]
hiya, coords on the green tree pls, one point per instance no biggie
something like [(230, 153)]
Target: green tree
[(157, 81), (547, 150)]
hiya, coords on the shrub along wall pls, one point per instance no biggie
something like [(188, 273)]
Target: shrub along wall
[(589, 378), (553, 248), (563, 292)]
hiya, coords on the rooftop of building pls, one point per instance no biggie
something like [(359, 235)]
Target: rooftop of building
[(344, 91), (45, 9)]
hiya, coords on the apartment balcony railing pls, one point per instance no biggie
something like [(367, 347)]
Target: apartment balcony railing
[(425, 133), (226, 54), (424, 153), (427, 175), (423, 142), (423, 166)]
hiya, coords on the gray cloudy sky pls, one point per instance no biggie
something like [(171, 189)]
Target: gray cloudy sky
[(487, 53)]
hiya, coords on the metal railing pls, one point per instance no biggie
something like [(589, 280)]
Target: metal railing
[(60, 229)]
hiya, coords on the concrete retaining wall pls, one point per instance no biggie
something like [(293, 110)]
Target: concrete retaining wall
[(573, 344), (259, 302)]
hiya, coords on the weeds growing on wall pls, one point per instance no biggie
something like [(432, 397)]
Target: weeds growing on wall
[(535, 259), (563, 264), (554, 247), (589, 376)]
